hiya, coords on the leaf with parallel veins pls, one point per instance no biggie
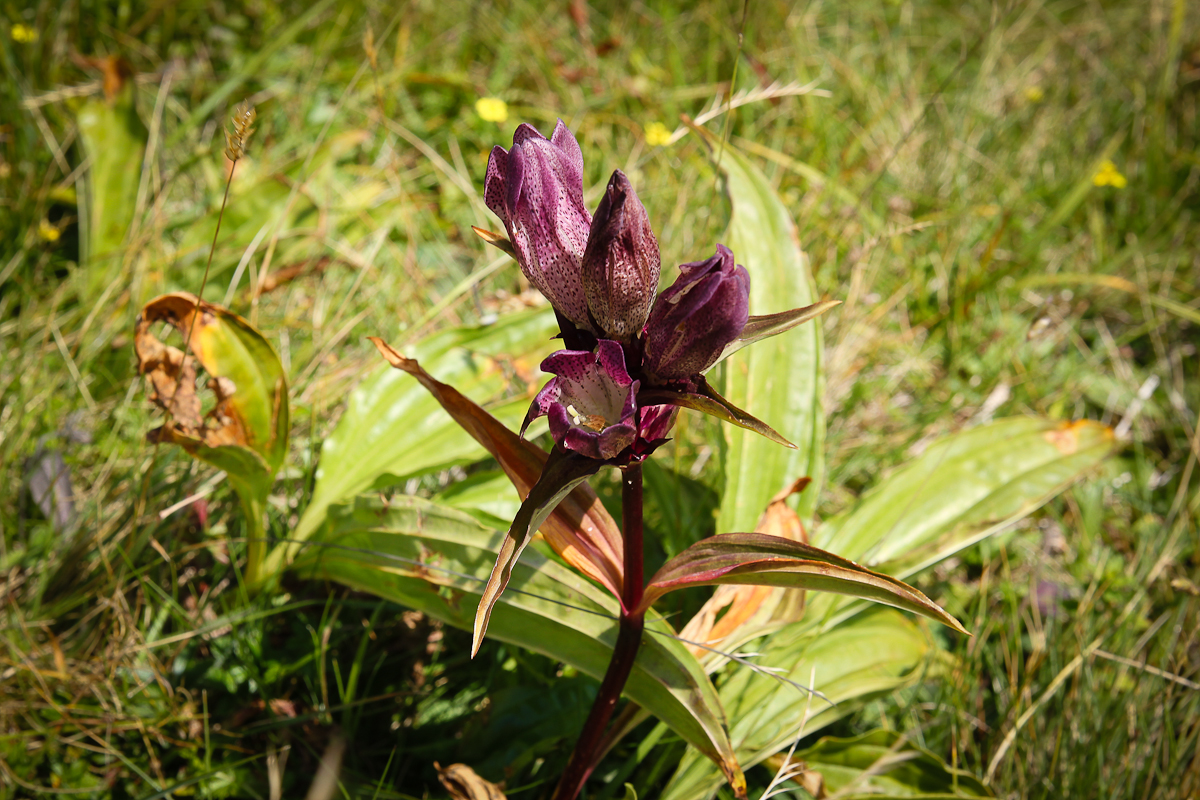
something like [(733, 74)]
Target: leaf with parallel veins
[(578, 528), (563, 472), (436, 559), (760, 560)]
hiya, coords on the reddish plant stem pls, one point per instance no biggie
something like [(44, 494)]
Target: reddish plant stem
[(631, 531), (629, 639)]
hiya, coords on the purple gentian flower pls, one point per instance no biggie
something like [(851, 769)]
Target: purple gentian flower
[(592, 404), (591, 401), (537, 190), (621, 263), (692, 321)]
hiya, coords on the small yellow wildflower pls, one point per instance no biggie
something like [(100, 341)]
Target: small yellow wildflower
[(657, 134), (491, 109), (1108, 175), (1034, 94), (48, 232), (24, 34)]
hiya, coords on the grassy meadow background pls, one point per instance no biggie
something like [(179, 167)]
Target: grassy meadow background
[(945, 166)]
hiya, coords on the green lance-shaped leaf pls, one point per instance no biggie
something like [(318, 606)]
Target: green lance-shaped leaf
[(779, 379), (437, 560), (758, 559), (881, 764), (246, 433), (963, 488), (393, 429), (768, 707), (114, 142)]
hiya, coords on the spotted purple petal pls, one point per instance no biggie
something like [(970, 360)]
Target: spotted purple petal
[(537, 191), (621, 263), (591, 402)]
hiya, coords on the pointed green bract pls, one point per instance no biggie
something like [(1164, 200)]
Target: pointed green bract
[(707, 401), (768, 325)]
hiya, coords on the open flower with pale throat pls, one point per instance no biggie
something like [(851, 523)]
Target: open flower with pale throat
[(592, 405)]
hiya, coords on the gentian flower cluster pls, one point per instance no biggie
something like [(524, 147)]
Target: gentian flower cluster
[(631, 358), (601, 275)]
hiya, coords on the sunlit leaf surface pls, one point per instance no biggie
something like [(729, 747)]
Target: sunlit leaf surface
[(437, 560), (769, 706), (778, 380), (757, 559), (883, 764)]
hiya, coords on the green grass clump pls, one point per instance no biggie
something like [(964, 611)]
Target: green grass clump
[(943, 182)]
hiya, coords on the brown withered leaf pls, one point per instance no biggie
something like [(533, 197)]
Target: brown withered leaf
[(464, 784), (172, 376), (747, 603), (115, 70)]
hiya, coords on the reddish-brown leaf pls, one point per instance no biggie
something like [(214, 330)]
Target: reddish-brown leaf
[(580, 529)]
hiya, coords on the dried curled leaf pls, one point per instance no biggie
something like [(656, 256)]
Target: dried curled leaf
[(464, 784), (251, 411), (173, 377), (245, 434)]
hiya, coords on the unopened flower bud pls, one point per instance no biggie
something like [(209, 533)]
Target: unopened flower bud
[(693, 320), (621, 263), (537, 190)]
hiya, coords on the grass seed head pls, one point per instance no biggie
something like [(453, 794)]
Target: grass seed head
[(235, 140)]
